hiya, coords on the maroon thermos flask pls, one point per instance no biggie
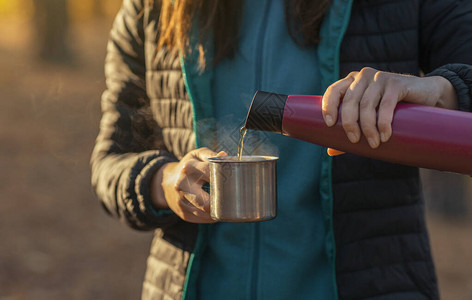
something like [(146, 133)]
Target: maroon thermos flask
[(422, 136)]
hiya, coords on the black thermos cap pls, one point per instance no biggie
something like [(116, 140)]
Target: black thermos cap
[(266, 112)]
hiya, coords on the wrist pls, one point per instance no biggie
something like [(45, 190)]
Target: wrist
[(447, 93), (158, 199)]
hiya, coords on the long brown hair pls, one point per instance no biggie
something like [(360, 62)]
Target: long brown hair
[(220, 20)]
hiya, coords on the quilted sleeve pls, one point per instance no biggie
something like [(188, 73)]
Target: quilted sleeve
[(128, 149), (446, 43)]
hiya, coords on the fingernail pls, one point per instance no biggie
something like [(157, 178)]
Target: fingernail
[(383, 137), (372, 142), (329, 120), (352, 137)]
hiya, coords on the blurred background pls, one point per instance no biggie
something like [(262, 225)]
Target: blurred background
[(56, 242)]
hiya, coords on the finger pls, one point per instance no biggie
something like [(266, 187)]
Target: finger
[(351, 100), (332, 98), (198, 219), (221, 153), (334, 152), (204, 154), (368, 114), (192, 214), (198, 198), (386, 110), (198, 171), (350, 111)]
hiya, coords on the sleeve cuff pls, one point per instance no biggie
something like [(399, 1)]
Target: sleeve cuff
[(460, 76), (152, 216)]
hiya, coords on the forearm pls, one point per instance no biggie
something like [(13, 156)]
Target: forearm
[(447, 94)]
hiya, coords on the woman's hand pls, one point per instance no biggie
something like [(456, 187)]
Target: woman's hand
[(362, 93), (178, 186)]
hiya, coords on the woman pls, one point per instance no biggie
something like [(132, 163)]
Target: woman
[(347, 227)]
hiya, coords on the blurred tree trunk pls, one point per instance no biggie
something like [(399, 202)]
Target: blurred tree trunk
[(98, 8), (51, 22)]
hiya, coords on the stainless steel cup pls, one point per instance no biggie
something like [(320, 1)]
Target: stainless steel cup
[(243, 190)]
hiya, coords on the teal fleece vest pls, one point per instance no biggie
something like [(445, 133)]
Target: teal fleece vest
[(199, 88)]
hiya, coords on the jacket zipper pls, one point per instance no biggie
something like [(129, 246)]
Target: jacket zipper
[(260, 46), (258, 84), (255, 261)]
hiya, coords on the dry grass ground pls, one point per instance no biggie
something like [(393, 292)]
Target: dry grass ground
[(55, 240)]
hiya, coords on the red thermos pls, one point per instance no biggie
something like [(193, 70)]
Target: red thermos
[(422, 136)]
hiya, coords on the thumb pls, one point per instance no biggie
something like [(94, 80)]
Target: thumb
[(203, 154)]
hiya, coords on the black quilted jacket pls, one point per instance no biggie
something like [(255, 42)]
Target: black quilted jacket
[(382, 247)]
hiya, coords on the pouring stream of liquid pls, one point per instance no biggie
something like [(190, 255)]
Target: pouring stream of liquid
[(242, 134)]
